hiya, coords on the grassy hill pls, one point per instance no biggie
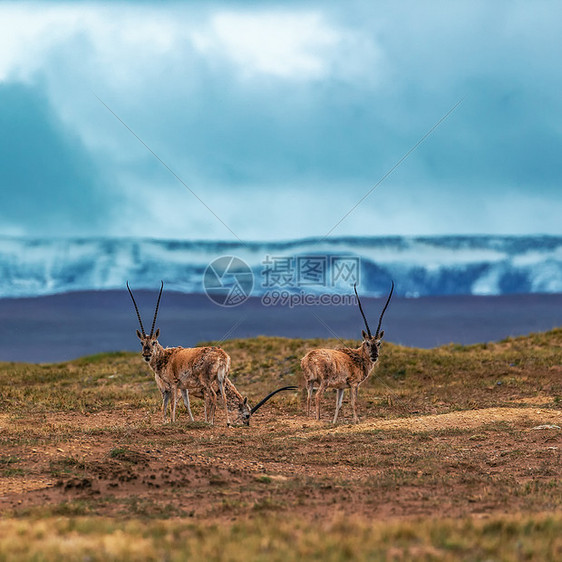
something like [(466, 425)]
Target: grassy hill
[(457, 456)]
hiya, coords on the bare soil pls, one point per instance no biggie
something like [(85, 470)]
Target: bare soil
[(479, 462)]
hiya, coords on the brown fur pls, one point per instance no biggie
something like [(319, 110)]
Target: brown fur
[(200, 370), (344, 367), (340, 369), (236, 403)]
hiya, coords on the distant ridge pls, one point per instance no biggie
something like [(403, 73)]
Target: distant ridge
[(420, 266)]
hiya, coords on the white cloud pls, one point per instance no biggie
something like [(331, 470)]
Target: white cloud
[(124, 40), (118, 37), (25, 35), (286, 95), (283, 44)]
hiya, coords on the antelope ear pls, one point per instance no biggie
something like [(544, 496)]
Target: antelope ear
[(381, 334), (364, 334), (245, 401), (157, 333), (139, 335)]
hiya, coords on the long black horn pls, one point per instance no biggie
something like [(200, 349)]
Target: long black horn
[(156, 311), (384, 310), (262, 402), (137, 309), (361, 309)]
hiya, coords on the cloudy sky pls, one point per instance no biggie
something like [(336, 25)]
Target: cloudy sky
[(280, 117)]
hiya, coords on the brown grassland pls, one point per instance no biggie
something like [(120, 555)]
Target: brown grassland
[(457, 456)]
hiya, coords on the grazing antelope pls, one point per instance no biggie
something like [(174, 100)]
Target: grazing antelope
[(239, 404), (197, 369), (343, 367)]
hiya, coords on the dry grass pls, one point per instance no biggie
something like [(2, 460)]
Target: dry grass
[(274, 538)]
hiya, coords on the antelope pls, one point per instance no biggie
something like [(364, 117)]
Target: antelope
[(343, 367), (200, 371), (239, 404), (197, 369)]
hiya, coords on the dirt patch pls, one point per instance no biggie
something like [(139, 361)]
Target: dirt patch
[(469, 419), (469, 462)]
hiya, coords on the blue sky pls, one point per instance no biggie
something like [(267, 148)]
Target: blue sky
[(281, 117)]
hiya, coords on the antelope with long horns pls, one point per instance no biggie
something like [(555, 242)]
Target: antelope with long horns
[(239, 405), (343, 367), (196, 369), (199, 371)]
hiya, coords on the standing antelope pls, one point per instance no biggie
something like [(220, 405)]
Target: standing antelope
[(343, 367), (197, 369)]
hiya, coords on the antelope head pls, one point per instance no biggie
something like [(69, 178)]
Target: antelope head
[(373, 343), (149, 342), (245, 412)]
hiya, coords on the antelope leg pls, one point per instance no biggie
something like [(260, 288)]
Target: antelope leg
[(174, 403), (185, 396), (165, 400), (354, 391), (319, 394), (223, 394), (339, 400), (309, 391)]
